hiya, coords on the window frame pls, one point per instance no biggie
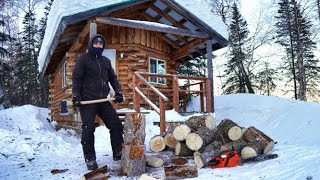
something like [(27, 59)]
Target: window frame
[(64, 75), (165, 70)]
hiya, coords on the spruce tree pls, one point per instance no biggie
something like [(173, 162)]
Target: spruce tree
[(237, 72), (293, 33)]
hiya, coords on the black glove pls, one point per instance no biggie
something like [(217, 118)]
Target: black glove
[(118, 97), (76, 101)]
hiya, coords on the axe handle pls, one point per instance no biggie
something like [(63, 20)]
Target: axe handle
[(69, 103)]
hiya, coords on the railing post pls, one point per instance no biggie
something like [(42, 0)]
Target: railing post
[(175, 90), (184, 95), (201, 98), (208, 96), (162, 116), (136, 96)]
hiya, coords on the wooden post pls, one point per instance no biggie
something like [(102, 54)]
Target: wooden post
[(208, 96), (162, 115), (210, 76), (175, 89), (201, 98), (184, 95), (93, 29), (136, 96)]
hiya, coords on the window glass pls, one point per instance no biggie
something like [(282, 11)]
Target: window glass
[(157, 66)]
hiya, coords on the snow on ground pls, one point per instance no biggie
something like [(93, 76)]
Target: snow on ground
[(30, 147)]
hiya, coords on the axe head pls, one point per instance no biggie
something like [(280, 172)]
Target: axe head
[(64, 111)]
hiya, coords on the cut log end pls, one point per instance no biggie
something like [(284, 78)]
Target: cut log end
[(194, 141), (197, 160), (210, 122), (248, 152), (235, 133), (157, 144), (170, 141), (154, 161), (181, 132), (269, 147)]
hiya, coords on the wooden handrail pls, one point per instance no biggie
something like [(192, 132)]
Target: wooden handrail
[(148, 100)]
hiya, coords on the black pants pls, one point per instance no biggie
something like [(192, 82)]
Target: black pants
[(110, 118)]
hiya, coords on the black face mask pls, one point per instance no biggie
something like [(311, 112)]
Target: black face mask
[(97, 51)]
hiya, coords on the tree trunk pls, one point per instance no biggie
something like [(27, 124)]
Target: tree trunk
[(180, 172), (213, 146), (180, 132), (157, 143), (183, 150), (179, 160), (255, 136), (231, 129), (234, 146), (201, 159), (251, 150), (199, 138), (196, 122), (154, 161), (133, 160), (170, 141)]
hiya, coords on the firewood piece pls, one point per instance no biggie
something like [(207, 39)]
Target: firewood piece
[(254, 135), (199, 138), (157, 143), (213, 146), (183, 150), (170, 141), (146, 177), (179, 160), (180, 172), (133, 160), (154, 161), (231, 129), (201, 159), (220, 136), (134, 129), (97, 173), (251, 150), (180, 132), (196, 122), (235, 145)]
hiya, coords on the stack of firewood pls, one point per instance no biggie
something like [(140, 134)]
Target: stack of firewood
[(201, 138)]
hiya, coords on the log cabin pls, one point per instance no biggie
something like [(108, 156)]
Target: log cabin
[(146, 40)]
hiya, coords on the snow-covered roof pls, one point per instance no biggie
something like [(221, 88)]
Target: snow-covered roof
[(64, 8)]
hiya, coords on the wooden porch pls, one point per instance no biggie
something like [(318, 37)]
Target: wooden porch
[(142, 87)]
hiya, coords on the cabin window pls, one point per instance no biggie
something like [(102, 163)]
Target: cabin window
[(64, 74), (157, 66)]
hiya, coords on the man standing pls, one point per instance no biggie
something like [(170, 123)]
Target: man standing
[(91, 76)]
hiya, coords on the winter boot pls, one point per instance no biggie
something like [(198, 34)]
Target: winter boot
[(92, 165), (117, 152)]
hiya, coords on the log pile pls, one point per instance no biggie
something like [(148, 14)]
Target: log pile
[(199, 139)]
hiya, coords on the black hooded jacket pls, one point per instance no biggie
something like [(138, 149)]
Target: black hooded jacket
[(91, 75)]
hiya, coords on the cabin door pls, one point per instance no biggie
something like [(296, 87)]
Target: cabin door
[(111, 54)]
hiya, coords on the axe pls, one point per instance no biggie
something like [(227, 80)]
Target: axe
[(65, 103)]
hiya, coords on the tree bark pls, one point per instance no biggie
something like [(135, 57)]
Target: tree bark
[(234, 146), (201, 159), (183, 150), (255, 136), (199, 138), (134, 129), (196, 122), (133, 160), (231, 129), (180, 172)]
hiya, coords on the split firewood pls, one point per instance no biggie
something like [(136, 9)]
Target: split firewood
[(157, 143), (231, 129), (234, 146), (253, 135), (180, 172), (199, 138), (251, 150), (154, 161), (96, 174), (146, 177), (196, 122), (183, 150), (180, 132), (201, 159)]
